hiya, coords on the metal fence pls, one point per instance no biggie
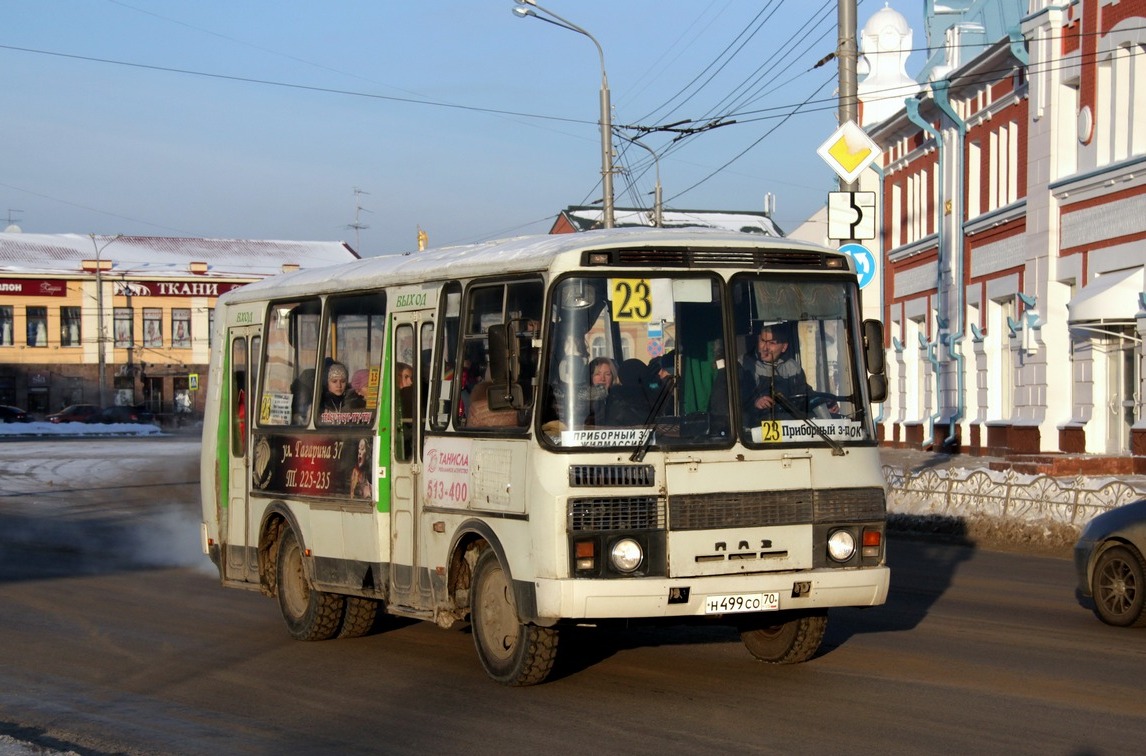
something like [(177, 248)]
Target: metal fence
[(1007, 495)]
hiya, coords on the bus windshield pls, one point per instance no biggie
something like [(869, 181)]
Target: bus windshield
[(688, 361)]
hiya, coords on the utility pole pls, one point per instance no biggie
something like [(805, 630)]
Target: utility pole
[(101, 335), (846, 52), (357, 225)]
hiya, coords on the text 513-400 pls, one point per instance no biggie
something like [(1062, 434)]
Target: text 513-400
[(439, 490)]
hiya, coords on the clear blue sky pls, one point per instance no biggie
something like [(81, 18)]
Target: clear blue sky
[(252, 119)]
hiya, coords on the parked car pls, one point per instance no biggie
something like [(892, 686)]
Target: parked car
[(124, 414), (1110, 567), (74, 413), (10, 414)]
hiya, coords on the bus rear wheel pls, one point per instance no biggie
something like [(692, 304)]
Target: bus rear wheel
[(511, 652), (361, 617), (785, 638), (310, 615)]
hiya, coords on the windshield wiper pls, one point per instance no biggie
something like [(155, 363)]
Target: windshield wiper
[(837, 447), (643, 447)]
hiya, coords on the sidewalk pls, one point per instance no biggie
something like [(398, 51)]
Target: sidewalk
[(1059, 466)]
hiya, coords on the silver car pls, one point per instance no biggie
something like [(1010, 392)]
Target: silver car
[(1110, 568)]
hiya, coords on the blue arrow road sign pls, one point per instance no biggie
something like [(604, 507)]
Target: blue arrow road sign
[(865, 262)]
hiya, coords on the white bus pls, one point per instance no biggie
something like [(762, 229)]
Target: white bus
[(550, 430)]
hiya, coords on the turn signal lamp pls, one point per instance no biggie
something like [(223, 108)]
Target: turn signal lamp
[(872, 540), (585, 556)]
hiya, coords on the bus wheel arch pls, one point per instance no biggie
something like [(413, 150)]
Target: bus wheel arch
[(310, 614), (470, 540), (511, 651), (275, 520)]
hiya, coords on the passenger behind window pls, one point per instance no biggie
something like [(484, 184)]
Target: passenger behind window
[(359, 382), (405, 379), (338, 399), (302, 394)]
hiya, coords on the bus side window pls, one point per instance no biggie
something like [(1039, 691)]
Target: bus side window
[(516, 304), (286, 386), (443, 392), (354, 337), (405, 381), (239, 397)]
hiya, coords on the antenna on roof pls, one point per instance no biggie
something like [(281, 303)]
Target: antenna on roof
[(358, 225), (11, 227)]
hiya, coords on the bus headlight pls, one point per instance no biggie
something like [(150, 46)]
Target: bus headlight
[(626, 555), (841, 545)]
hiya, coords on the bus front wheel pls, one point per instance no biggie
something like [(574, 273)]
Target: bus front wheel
[(510, 651), (784, 639), (310, 615)]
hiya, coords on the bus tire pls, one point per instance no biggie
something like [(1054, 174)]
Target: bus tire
[(784, 639), (511, 652), (360, 618), (310, 615)]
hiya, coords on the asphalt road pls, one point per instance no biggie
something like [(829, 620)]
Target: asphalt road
[(116, 638)]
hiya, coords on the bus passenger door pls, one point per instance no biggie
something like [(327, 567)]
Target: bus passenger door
[(412, 341), (241, 557)]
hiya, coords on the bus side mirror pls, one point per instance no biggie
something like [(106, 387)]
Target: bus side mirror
[(504, 357), (873, 347), (877, 388)]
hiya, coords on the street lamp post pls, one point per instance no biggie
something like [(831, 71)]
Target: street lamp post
[(526, 8), (101, 336)]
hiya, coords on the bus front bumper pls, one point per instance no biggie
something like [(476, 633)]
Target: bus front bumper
[(689, 597)]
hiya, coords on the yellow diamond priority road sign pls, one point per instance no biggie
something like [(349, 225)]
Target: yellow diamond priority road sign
[(848, 151)]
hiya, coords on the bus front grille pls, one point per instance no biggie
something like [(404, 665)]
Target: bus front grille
[(790, 507), (739, 509), (583, 476), (593, 514), (849, 504)]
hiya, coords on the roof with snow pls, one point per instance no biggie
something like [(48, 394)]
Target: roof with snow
[(505, 256), (49, 254), (587, 217)]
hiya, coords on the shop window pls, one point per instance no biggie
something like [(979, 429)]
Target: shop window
[(37, 326), (6, 325), (124, 327), (70, 326), (181, 328), (152, 327)]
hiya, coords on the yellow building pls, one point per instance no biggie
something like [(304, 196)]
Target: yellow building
[(140, 307)]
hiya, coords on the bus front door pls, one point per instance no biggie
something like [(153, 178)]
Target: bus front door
[(412, 340)]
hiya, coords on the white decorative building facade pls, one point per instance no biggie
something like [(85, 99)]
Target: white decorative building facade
[(1013, 204)]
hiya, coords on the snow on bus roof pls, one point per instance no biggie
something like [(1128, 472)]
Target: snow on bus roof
[(515, 255)]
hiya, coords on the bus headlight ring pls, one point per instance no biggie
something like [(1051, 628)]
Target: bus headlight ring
[(626, 555), (841, 545)]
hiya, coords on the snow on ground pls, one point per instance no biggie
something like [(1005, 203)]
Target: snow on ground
[(78, 429)]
